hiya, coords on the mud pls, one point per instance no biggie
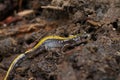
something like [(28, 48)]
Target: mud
[(96, 59)]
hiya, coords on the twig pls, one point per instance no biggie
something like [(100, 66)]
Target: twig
[(52, 7), (94, 23)]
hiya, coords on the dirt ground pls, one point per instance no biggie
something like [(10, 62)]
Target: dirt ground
[(96, 59)]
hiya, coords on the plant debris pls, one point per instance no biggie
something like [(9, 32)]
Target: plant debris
[(24, 23)]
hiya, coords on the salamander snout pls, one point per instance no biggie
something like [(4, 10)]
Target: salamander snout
[(82, 37)]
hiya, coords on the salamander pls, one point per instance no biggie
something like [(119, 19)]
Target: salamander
[(46, 43)]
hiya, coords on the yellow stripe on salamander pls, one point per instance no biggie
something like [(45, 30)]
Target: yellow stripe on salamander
[(50, 37), (13, 64), (35, 47)]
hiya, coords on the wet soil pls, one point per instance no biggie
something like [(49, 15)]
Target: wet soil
[(96, 59)]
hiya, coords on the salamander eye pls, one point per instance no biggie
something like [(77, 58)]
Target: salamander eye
[(85, 37)]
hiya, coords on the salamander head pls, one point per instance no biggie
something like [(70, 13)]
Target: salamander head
[(81, 37)]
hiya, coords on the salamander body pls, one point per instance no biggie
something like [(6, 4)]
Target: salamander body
[(47, 43)]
